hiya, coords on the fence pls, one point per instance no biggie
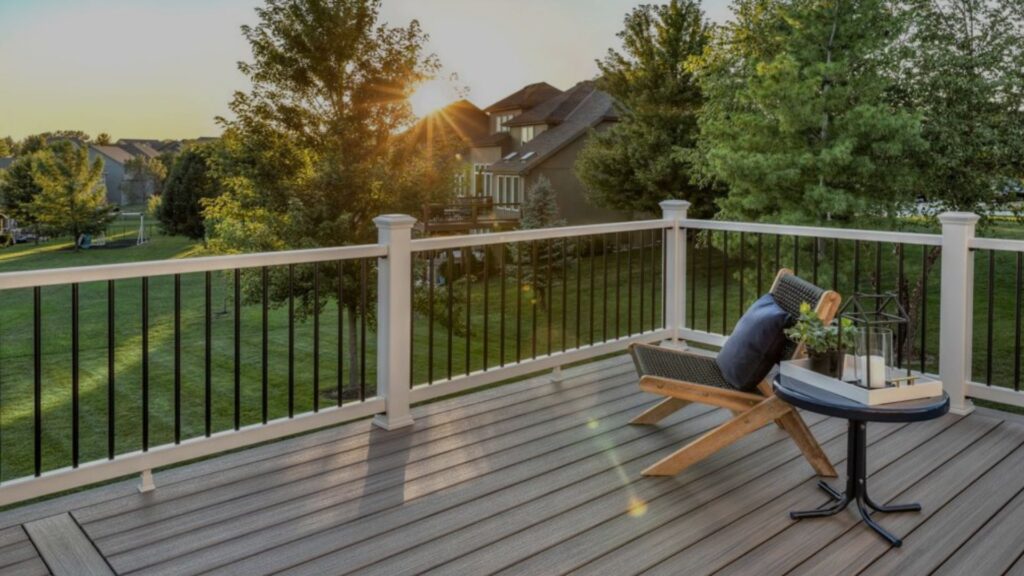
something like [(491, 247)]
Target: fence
[(113, 370)]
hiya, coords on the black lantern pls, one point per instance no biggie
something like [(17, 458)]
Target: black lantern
[(880, 321)]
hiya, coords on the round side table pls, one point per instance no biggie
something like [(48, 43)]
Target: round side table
[(815, 399)]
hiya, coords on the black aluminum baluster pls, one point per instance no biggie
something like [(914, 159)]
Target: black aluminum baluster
[(565, 293), (590, 309), (991, 316), (37, 383), (111, 388), (1016, 322), (145, 364), (238, 348), (856, 266), (364, 309), (796, 255), (208, 355), (641, 285), (501, 305), (901, 298), (604, 288), (548, 289), (725, 281), (579, 287), (778, 253), (265, 345), (743, 265), (177, 358), (519, 301), (878, 271), (75, 407), (835, 264), (431, 280), (291, 340), (618, 287), (316, 337), (449, 280), (691, 259), (629, 283), (487, 297), (340, 384), (533, 298), (760, 264), (924, 306), (467, 268), (814, 260), (710, 236)]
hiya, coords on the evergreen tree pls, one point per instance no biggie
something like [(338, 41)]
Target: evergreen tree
[(103, 139), (540, 210), (800, 122), (72, 198), (18, 191), (647, 156), (192, 180)]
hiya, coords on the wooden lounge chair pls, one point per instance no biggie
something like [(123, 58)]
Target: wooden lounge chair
[(686, 376)]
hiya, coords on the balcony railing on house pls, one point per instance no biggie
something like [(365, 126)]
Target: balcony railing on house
[(121, 369), (468, 214)]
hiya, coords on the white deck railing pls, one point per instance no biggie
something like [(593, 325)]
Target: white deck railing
[(395, 251)]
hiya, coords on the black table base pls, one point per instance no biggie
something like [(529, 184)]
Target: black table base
[(856, 487)]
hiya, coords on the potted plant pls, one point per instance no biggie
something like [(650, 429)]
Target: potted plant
[(825, 343)]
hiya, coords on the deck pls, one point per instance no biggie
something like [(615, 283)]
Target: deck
[(543, 478)]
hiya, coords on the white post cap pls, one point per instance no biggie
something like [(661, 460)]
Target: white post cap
[(961, 218), (394, 221)]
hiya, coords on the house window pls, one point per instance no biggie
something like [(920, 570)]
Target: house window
[(500, 120), (526, 134), (481, 180)]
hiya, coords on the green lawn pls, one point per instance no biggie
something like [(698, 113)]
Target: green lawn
[(608, 301)]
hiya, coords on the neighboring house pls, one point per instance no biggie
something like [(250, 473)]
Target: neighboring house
[(6, 162), (139, 147), (114, 158), (539, 130)]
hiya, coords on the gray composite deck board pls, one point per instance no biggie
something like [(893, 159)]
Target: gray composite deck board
[(65, 548), (538, 477)]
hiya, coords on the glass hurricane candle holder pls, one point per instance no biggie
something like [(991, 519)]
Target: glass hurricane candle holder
[(873, 358)]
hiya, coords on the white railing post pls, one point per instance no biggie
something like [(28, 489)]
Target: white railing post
[(675, 265), (394, 310), (956, 309)]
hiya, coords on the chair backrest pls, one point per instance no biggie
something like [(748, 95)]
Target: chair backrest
[(790, 291)]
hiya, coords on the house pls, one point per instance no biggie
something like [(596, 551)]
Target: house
[(114, 159), (539, 131)]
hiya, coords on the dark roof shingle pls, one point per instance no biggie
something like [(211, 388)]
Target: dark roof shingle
[(525, 98)]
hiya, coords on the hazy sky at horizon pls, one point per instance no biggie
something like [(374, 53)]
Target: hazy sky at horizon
[(162, 69)]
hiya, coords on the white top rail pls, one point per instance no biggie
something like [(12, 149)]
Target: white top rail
[(58, 276), (997, 244), (817, 232), (454, 242)]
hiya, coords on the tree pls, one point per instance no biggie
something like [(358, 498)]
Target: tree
[(311, 160), (965, 75), (7, 146), (191, 181), (18, 190), (540, 210), (144, 177), (72, 198), (103, 139), (644, 158), (800, 121)]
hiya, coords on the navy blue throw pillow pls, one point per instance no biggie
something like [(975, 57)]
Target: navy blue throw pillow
[(756, 344)]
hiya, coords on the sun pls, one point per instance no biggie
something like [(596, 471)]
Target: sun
[(431, 96)]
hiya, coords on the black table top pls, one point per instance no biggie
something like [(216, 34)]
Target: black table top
[(824, 402)]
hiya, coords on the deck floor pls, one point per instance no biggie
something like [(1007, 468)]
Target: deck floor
[(544, 478)]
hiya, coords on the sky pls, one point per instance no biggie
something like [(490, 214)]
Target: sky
[(166, 69)]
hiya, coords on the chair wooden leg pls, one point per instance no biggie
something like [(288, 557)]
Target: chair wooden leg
[(808, 444), (660, 411), (737, 427)]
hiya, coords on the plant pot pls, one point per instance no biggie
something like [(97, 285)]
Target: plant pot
[(828, 363)]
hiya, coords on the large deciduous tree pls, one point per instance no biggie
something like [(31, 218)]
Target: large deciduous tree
[(72, 198), (310, 146), (965, 75), (645, 157), (193, 180), (801, 123)]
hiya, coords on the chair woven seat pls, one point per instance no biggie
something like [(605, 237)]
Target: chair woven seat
[(678, 365)]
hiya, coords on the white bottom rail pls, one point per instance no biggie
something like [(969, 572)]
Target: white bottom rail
[(135, 462)]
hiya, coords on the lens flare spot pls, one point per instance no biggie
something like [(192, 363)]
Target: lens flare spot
[(637, 507), (593, 424)]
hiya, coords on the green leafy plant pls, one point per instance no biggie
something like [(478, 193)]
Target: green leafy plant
[(818, 337)]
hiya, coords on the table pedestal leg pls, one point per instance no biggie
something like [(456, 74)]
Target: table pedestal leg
[(856, 487)]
